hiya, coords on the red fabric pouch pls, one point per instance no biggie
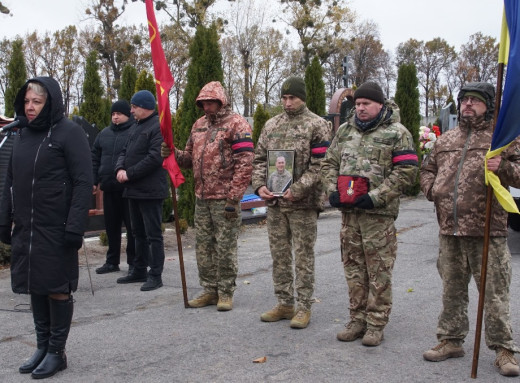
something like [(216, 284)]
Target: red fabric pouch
[(352, 187)]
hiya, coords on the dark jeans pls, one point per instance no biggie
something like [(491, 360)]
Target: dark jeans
[(116, 210), (146, 223)]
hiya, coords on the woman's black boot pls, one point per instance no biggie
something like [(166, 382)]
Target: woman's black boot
[(42, 325), (55, 360)]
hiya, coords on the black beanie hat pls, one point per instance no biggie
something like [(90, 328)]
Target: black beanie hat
[(121, 106), (295, 86), (370, 90)]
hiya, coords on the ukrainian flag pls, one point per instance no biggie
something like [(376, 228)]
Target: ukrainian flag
[(508, 123)]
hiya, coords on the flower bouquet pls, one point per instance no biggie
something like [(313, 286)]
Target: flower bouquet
[(427, 138)]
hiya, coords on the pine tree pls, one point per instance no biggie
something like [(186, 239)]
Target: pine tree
[(145, 81), (128, 80), (260, 118), (107, 111), (407, 98), (16, 77), (93, 107), (205, 66), (315, 87), (453, 106)]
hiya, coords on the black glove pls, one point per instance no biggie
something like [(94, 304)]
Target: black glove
[(364, 202), (334, 200), (73, 240), (5, 234), (231, 209), (165, 150)]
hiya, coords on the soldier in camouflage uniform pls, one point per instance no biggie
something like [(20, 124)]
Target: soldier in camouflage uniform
[(292, 218), (375, 145), (220, 152), (453, 178), (280, 179)]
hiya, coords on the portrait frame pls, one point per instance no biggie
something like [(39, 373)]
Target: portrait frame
[(279, 181)]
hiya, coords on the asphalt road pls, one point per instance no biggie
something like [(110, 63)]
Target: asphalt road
[(124, 335)]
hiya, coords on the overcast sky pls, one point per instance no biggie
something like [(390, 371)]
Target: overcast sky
[(398, 20)]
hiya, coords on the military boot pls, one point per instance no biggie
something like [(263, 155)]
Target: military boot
[(353, 330), (373, 337), (206, 298), (444, 350), (506, 363), (225, 303), (301, 319), (277, 313)]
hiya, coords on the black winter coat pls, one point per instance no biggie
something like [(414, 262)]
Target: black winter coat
[(141, 158), (47, 192), (107, 147)]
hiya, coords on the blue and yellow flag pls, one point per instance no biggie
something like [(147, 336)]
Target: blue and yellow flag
[(508, 123)]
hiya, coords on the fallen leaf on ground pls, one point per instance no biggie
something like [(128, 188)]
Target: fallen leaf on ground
[(263, 359)]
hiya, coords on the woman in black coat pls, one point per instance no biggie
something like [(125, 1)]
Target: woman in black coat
[(45, 202)]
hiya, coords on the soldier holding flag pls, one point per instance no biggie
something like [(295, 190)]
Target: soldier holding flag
[(220, 152), (454, 180)]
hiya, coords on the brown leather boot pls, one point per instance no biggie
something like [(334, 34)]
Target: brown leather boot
[(205, 299), (277, 313), (444, 350)]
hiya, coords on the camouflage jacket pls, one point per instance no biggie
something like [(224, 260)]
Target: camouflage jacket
[(453, 178), (277, 181), (308, 135), (219, 149), (384, 154)]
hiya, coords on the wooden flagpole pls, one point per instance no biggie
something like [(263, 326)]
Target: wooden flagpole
[(485, 250), (179, 245)]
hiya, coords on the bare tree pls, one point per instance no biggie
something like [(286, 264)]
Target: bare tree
[(318, 23), (387, 73), (435, 59), (478, 59), (366, 55), (276, 61), (246, 25)]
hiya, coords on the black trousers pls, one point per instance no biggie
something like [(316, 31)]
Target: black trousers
[(146, 223), (116, 211)]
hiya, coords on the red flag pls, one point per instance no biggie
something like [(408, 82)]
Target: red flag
[(163, 84)]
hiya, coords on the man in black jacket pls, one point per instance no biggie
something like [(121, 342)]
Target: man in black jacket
[(139, 168), (105, 152)]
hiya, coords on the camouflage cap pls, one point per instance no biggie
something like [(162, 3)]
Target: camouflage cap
[(483, 88)]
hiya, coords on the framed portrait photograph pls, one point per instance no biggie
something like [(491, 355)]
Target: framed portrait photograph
[(280, 167)]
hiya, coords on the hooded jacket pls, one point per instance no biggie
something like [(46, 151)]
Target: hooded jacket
[(453, 178), (384, 153), (219, 149), (108, 145), (47, 192)]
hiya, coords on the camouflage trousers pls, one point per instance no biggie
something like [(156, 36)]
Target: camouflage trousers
[(216, 246), (368, 252), (460, 258), (288, 230)]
